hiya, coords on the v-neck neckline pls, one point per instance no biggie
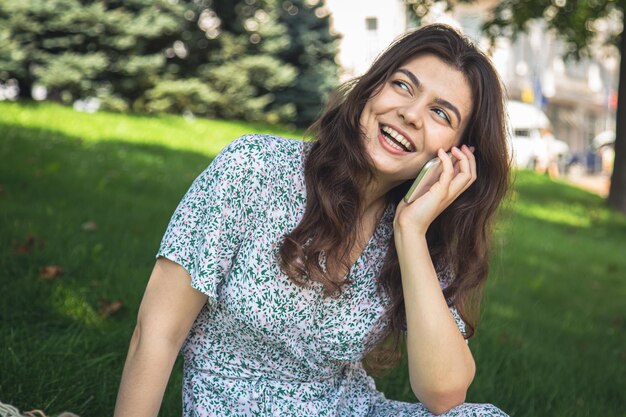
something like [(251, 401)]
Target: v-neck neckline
[(380, 225)]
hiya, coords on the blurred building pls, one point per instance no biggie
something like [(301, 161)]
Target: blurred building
[(580, 98), (366, 27)]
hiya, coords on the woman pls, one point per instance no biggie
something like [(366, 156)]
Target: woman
[(287, 262)]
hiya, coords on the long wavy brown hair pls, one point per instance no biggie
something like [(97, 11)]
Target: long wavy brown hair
[(338, 168)]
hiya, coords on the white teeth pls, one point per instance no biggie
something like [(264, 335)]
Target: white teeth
[(397, 136), (393, 144)]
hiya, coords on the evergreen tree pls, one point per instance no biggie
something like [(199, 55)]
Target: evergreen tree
[(97, 48), (243, 66), (312, 50), (248, 59)]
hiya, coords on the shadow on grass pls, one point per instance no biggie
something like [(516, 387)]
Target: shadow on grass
[(550, 343), (62, 353)]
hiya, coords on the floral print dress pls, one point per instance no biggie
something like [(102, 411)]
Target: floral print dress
[(262, 346)]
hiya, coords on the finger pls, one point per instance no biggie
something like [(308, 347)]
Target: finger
[(448, 169), (457, 166), (472, 160), (462, 161), (464, 177), (472, 164)]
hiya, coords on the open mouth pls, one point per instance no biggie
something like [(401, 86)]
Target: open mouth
[(396, 139)]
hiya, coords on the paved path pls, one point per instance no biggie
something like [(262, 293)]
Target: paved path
[(596, 183)]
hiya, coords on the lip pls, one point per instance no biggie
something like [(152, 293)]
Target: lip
[(382, 140)]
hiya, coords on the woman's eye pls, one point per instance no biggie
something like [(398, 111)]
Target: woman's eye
[(401, 84), (442, 114)]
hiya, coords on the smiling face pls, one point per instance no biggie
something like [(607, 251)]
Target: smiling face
[(423, 106)]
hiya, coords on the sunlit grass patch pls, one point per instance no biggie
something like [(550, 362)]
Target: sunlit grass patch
[(174, 132)]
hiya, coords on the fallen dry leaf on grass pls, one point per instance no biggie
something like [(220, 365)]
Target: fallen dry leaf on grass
[(27, 246), (89, 226), (35, 413), (50, 272), (108, 308)]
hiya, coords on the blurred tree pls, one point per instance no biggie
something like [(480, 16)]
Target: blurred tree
[(242, 66), (77, 49), (312, 50), (577, 22), (138, 37), (232, 59)]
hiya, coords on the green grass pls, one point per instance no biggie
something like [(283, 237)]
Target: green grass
[(552, 340)]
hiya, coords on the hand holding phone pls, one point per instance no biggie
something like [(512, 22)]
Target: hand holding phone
[(428, 175)]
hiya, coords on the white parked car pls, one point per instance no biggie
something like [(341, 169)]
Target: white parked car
[(604, 146), (606, 138), (530, 138)]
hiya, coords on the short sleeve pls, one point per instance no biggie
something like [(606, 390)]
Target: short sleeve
[(459, 321), (206, 230)]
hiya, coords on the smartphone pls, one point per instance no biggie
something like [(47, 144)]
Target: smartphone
[(425, 179)]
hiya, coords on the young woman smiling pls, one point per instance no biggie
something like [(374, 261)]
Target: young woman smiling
[(288, 262)]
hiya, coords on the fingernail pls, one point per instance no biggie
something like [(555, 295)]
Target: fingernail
[(472, 148)]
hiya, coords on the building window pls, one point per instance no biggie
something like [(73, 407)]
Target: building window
[(371, 23)]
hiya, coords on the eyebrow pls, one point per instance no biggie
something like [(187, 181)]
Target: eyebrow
[(440, 101)]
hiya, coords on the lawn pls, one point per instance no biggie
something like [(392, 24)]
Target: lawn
[(85, 198)]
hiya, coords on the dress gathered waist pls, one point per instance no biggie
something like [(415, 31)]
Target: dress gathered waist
[(266, 388)]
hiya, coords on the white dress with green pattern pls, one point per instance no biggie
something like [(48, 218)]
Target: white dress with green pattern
[(262, 346)]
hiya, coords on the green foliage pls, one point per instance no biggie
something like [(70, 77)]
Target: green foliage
[(78, 50), (246, 86), (418, 9), (145, 55), (245, 70), (574, 21), (12, 56), (72, 73), (181, 96), (312, 50)]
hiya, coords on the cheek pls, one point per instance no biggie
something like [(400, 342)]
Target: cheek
[(443, 138), (368, 126), (366, 116)]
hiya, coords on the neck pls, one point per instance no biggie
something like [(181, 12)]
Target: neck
[(375, 195)]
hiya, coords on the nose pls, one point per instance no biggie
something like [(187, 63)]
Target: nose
[(412, 113)]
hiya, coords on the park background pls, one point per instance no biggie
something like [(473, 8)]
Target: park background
[(85, 196)]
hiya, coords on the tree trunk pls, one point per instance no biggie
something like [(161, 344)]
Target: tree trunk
[(617, 192), (26, 85)]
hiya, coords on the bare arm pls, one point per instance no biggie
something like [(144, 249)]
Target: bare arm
[(168, 309), (441, 366)]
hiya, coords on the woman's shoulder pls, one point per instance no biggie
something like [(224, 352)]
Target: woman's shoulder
[(266, 145), (264, 155)]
